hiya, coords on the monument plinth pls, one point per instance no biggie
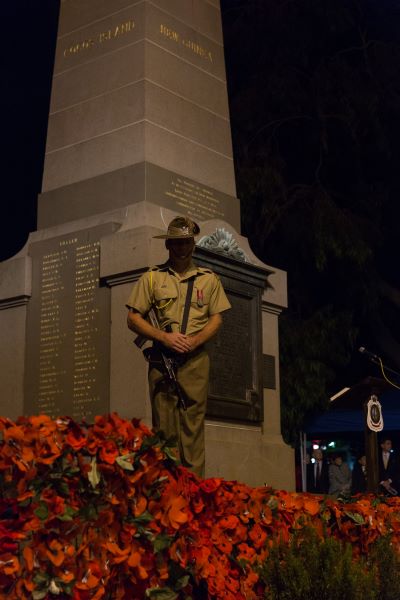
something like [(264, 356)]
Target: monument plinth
[(138, 132)]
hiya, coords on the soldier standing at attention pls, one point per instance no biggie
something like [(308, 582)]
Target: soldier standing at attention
[(188, 302)]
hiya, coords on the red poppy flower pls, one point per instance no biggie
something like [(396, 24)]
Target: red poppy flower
[(76, 438), (210, 485), (109, 452), (54, 553)]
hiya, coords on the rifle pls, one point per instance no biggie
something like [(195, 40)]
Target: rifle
[(169, 364)]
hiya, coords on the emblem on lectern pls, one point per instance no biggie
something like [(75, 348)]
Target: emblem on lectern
[(374, 414)]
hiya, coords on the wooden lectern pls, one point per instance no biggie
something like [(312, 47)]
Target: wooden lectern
[(357, 397)]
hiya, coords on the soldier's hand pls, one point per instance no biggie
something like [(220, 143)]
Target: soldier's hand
[(176, 342), (193, 342)]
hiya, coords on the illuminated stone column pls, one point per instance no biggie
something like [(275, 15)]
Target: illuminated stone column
[(139, 111)]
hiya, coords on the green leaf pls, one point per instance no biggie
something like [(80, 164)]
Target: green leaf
[(356, 517), (272, 503), (125, 461), (68, 514), (63, 488), (71, 471), (39, 594), (161, 542), (182, 582), (148, 442), (64, 517), (42, 512), (25, 503), (89, 512), (93, 474), (170, 452), (161, 594), (68, 588), (145, 517), (40, 579)]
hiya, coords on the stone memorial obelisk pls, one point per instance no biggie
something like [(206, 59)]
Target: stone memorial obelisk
[(138, 132)]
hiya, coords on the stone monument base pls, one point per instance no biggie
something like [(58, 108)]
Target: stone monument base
[(244, 453), (235, 449)]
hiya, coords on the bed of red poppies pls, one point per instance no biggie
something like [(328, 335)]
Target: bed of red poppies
[(104, 511)]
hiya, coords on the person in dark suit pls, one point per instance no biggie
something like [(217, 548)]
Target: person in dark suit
[(317, 474), (388, 478), (359, 476)]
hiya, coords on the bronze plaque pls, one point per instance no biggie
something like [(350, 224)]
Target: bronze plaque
[(235, 390), (236, 378), (230, 353), (68, 328)]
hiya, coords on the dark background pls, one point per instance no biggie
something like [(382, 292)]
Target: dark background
[(314, 89)]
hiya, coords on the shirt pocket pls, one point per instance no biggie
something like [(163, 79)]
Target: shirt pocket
[(164, 296)]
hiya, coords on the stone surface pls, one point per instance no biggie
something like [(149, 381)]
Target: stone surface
[(143, 83), (247, 454), (178, 76), (12, 360), (201, 16), (123, 67), (124, 187), (168, 150), (131, 104), (15, 281)]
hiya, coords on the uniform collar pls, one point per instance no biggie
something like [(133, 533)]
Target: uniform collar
[(190, 272)]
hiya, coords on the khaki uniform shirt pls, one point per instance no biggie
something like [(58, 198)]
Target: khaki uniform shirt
[(166, 289)]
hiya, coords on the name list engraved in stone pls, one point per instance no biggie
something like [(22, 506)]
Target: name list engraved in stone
[(196, 200), (86, 328), (50, 385), (68, 329)]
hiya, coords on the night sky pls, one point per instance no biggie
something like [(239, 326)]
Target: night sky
[(29, 29)]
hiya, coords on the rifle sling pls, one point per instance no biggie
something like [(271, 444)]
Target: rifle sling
[(187, 304)]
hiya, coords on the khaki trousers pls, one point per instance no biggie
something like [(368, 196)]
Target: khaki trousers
[(186, 425)]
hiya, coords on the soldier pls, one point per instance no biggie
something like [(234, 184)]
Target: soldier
[(188, 301)]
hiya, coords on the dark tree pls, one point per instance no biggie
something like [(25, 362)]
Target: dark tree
[(315, 108)]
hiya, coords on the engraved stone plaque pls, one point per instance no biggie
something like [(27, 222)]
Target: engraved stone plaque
[(189, 197), (68, 328)]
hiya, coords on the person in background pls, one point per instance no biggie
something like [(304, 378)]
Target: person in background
[(388, 477), (339, 477), (359, 476), (317, 474)]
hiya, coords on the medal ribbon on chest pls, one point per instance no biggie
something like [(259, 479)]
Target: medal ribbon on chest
[(200, 299)]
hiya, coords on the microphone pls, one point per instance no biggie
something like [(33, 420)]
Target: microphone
[(370, 355)]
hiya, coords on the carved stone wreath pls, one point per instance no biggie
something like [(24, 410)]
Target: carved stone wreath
[(223, 242)]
